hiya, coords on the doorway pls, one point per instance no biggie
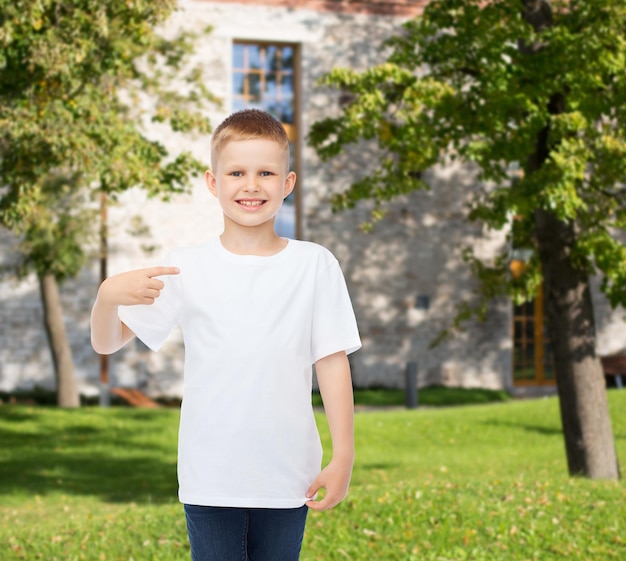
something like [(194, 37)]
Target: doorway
[(533, 364)]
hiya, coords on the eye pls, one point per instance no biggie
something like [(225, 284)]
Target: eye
[(266, 173), (236, 173)]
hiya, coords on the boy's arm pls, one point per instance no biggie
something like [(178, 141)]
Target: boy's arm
[(335, 383), (108, 333)]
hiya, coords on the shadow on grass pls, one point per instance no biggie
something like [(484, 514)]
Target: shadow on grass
[(378, 466), (547, 431), (109, 458), (431, 396)]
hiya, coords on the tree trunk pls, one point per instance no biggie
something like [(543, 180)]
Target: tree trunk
[(67, 389), (585, 416)]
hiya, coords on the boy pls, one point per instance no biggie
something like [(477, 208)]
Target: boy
[(256, 311)]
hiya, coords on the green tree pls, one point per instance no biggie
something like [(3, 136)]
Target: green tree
[(508, 84), (79, 80)]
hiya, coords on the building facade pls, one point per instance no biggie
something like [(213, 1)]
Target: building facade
[(406, 277)]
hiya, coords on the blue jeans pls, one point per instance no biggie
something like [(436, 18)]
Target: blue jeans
[(245, 534)]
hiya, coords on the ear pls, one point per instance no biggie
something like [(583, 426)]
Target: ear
[(211, 182), (290, 183)]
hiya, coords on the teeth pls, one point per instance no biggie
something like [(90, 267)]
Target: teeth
[(251, 203)]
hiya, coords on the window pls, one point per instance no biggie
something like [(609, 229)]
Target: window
[(264, 78)]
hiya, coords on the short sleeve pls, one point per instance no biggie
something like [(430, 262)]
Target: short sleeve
[(153, 323), (334, 326)]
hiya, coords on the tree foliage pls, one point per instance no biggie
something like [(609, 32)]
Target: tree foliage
[(533, 94), (477, 82), (78, 82)]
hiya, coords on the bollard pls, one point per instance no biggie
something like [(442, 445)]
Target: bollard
[(105, 395), (411, 385)]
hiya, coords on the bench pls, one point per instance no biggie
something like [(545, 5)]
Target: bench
[(614, 366), (134, 397)]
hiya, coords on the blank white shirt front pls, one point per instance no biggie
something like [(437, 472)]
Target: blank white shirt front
[(252, 326)]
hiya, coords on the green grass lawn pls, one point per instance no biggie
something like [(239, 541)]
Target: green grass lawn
[(482, 482)]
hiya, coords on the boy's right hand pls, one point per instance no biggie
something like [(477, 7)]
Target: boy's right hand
[(134, 287)]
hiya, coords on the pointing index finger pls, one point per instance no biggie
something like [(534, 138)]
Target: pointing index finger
[(160, 271)]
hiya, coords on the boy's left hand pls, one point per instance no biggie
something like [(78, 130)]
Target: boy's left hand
[(335, 479)]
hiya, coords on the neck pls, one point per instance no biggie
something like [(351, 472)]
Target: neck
[(252, 241)]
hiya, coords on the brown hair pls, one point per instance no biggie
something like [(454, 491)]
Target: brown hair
[(248, 124)]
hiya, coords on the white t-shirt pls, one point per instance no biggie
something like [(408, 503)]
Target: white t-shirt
[(252, 327)]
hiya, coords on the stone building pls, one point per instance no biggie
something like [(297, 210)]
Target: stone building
[(405, 278)]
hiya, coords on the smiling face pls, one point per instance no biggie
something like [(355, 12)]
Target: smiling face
[(250, 179)]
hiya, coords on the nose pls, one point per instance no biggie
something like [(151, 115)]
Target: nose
[(251, 184)]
